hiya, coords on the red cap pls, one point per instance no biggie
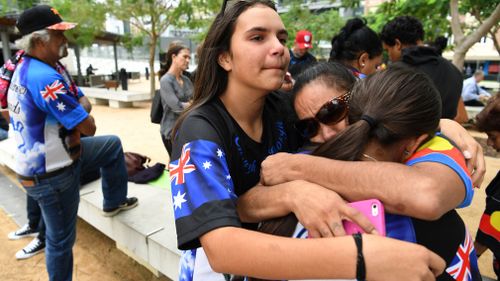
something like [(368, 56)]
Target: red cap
[(304, 39)]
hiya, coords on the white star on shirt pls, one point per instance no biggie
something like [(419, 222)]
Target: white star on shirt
[(207, 165), (228, 177), (61, 106), (219, 153), (179, 199)]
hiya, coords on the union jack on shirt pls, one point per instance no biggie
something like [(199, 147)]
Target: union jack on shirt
[(464, 260), (50, 92), (199, 176)]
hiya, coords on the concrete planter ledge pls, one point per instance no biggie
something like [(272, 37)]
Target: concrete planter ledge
[(115, 99), (146, 233)]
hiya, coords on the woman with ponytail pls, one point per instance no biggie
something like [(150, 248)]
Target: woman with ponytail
[(358, 47)]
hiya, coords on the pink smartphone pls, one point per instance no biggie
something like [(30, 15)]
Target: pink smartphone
[(373, 210)]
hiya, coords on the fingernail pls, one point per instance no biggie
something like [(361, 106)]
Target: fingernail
[(467, 154)]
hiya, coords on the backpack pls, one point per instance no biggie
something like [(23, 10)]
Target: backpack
[(156, 108), (6, 72), (135, 162)]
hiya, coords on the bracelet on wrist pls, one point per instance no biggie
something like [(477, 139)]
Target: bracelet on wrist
[(360, 259)]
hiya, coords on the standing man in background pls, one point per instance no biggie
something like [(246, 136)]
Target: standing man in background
[(300, 58), (402, 38), (48, 114)]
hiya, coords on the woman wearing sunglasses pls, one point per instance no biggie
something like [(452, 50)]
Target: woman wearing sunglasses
[(236, 121), (393, 116), (358, 47)]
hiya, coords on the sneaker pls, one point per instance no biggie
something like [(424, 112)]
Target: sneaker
[(127, 205), (24, 231), (34, 247)]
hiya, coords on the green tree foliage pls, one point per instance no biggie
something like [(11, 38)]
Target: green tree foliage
[(13, 6), (429, 12), (89, 15), (438, 19), (322, 25), (481, 9), (151, 18), (464, 37)]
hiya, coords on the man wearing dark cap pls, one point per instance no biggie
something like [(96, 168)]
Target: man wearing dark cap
[(48, 115), (300, 58)]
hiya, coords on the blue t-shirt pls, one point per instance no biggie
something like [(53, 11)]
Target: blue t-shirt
[(41, 107)]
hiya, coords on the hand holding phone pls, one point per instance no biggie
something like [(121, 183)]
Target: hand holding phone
[(373, 210)]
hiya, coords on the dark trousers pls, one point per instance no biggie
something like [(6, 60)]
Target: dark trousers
[(473, 103), (167, 142)]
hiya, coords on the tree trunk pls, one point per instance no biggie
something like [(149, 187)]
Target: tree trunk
[(78, 66), (459, 57), (463, 43), (493, 34), (152, 49)]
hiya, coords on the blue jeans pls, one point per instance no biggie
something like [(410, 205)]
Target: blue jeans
[(35, 219), (3, 134), (58, 197)]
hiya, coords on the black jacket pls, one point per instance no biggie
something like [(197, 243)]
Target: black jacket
[(446, 77)]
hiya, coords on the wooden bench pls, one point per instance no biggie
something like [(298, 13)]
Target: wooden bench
[(111, 84), (116, 99), (97, 80)]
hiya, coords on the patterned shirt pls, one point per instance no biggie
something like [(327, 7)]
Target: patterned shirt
[(44, 110)]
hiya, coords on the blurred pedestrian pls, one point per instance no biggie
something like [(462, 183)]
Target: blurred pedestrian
[(472, 93), (176, 90), (402, 37), (300, 57)]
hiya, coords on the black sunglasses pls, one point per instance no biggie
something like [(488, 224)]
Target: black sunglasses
[(331, 113)]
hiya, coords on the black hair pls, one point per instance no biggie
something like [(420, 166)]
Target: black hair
[(331, 74), (403, 102), (353, 39), (174, 49), (489, 118), (439, 44), (407, 29)]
